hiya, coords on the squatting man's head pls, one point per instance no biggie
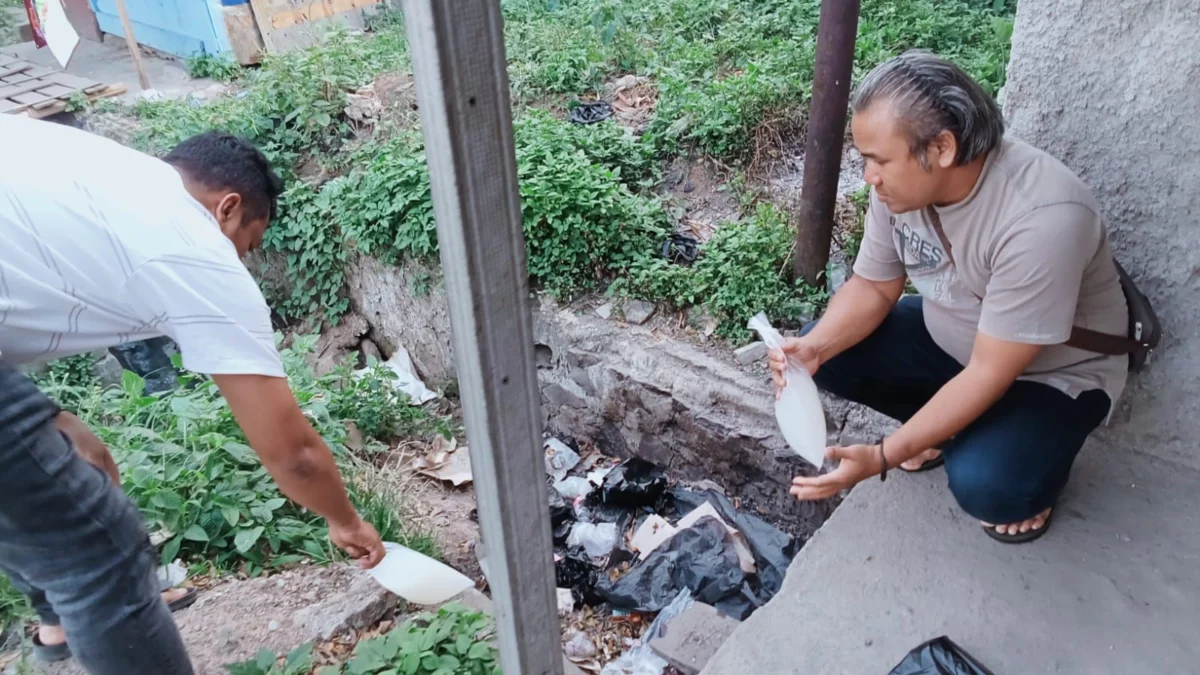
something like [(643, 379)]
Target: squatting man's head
[(918, 120)]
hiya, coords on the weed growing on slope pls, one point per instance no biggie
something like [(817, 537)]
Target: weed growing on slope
[(744, 269)]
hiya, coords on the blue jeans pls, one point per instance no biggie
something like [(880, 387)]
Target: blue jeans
[(75, 543), (1007, 466)]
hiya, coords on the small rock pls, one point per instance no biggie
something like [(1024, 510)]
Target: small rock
[(604, 311), (751, 353), (579, 647), (151, 95), (639, 311), (363, 604), (370, 350), (108, 370), (225, 638), (273, 626), (280, 583)]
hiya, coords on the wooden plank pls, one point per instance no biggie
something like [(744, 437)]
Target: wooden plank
[(317, 10), (462, 86), (297, 30), (31, 98), (25, 87), (7, 105), (15, 68), (57, 90), (69, 80), (39, 71), (135, 52), (54, 107)]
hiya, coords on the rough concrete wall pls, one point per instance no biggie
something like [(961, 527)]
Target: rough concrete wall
[(406, 306), (1112, 89)]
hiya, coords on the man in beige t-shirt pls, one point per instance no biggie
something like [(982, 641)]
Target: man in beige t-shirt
[(1008, 252)]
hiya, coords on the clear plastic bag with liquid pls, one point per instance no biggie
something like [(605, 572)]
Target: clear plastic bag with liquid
[(798, 409)]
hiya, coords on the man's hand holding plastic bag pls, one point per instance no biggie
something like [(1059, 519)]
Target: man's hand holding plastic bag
[(800, 352), (855, 463)]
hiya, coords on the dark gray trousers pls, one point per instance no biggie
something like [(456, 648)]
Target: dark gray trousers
[(72, 538)]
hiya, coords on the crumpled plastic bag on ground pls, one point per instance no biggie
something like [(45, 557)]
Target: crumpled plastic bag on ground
[(590, 112), (151, 360), (634, 482), (641, 659), (701, 559), (939, 656), (560, 458), (598, 540), (406, 379), (772, 548)]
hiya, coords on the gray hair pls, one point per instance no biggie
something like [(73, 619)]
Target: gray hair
[(930, 95)]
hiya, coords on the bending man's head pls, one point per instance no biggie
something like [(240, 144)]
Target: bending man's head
[(233, 180), (918, 119)]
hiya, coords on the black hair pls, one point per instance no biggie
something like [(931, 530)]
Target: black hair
[(219, 160)]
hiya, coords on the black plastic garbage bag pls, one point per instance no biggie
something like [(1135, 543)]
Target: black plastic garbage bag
[(681, 249), (574, 570), (939, 656), (590, 113), (562, 517), (773, 549), (149, 359), (701, 559), (632, 483)]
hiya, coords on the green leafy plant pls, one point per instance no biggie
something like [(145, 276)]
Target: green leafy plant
[(297, 662), (454, 641), (582, 223), (14, 606), (213, 67)]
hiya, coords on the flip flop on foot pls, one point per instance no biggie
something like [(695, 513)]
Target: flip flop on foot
[(176, 601), (930, 459), (1020, 533), (50, 653)]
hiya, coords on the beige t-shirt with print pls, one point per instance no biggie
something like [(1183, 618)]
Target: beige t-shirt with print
[(1029, 259)]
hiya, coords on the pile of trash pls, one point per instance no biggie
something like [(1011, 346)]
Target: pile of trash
[(628, 541)]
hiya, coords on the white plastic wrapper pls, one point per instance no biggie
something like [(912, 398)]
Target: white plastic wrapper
[(798, 410), (597, 540)]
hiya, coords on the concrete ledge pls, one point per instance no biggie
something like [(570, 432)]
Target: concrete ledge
[(1111, 589)]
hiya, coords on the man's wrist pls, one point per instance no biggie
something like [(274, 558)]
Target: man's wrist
[(345, 521)]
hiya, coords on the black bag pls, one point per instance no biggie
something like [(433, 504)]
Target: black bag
[(939, 656), (1145, 332)]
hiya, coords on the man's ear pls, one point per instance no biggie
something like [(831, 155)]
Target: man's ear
[(944, 149), (229, 208)]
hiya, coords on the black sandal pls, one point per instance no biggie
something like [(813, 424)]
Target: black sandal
[(50, 653), (184, 602), (927, 465), (1021, 537)]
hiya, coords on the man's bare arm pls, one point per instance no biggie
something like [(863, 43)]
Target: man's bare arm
[(297, 458), (855, 311)]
